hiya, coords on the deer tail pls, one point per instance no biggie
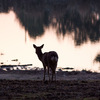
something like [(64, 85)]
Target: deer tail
[(54, 59)]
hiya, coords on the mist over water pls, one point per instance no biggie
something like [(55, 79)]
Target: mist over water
[(69, 29)]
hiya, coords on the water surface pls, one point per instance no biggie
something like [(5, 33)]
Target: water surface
[(73, 34)]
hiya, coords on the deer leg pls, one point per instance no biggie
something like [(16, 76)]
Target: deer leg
[(52, 76), (44, 73), (48, 74), (55, 77)]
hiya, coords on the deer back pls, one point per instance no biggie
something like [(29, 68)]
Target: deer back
[(50, 59)]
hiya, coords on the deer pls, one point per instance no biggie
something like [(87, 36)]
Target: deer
[(48, 59)]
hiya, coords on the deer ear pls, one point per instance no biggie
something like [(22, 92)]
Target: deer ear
[(42, 46), (34, 45)]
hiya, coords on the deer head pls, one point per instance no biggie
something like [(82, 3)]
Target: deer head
[(38, 51)]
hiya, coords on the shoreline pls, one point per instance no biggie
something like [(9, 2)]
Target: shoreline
[(38, 75)]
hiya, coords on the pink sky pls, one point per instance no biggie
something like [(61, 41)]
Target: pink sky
[(12, 44)]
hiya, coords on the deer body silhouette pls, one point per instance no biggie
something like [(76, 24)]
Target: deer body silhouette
[(48, 59)]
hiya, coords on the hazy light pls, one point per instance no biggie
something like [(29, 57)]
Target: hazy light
[(13, 45), (69, 56)]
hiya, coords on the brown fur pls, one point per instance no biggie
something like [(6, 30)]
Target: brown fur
[(48, 59)]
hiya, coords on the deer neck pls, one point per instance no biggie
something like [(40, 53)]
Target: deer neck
[(40, 54)]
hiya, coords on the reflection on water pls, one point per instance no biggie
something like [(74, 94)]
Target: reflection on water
[(71, 30)]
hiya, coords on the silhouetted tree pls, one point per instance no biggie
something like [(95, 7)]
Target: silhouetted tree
[(70, 16), (97, 59)]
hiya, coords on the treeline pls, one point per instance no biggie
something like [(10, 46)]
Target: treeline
[(66, 16)]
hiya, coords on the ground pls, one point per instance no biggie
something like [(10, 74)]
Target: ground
[(73, 88)]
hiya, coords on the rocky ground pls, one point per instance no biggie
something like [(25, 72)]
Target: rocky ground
[(69, 86)]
